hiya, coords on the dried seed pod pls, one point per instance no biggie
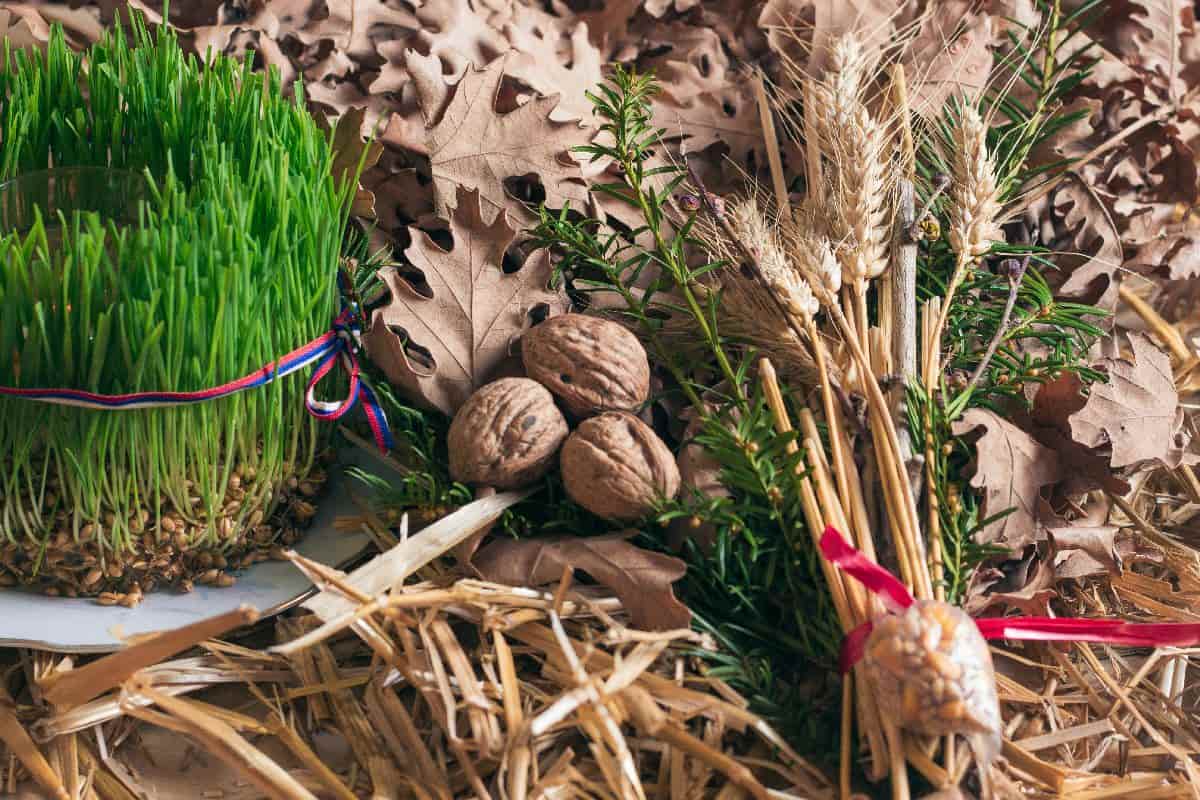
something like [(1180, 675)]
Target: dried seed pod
[(933, 674), (506, 435), (615, 466), (592, 364)]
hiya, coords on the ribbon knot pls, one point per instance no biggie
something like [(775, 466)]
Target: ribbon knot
[(345, 340)]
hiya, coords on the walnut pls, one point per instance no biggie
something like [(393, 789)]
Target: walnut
[(933, 674), (592, 364), (615, 466), (506, 435)]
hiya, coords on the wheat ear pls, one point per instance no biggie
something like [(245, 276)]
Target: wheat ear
[(793, 291), (974, 209), (855, 144), (974, 196)]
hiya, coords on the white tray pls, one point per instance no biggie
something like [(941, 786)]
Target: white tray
[(80, 625)]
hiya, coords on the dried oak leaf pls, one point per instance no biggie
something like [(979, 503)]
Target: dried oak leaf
[(355, 26), (1176, 254), (693, 63), (458, 35), (1011, 468), (23, 28), (1147, 35), (1026, 584), (1082, 551), (1092, 243), (641, 579), (729, 117), (1049, 423), (458, 328), (1137, 411), (538, 65), (349, 150), (950, 56), (474, 147)]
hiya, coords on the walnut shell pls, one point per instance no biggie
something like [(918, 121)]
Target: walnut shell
[(506, 435), (615, 466), (592, 364)]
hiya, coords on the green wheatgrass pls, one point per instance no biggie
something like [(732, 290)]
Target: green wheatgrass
[(230, 264)]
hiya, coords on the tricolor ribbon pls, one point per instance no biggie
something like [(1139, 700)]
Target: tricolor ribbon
[(338, 347), (896, 598)]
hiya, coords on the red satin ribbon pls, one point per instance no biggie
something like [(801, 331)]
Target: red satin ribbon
[(896, 597)]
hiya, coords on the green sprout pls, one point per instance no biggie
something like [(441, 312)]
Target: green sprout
[(228, 262)]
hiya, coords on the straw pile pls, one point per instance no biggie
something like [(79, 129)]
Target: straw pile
[(445, 686)]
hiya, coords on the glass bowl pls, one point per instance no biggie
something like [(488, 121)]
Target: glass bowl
[(114, 194)]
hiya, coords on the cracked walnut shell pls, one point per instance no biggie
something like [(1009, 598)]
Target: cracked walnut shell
[(932, 673), (591, 364), (506, 435), (615, 466)]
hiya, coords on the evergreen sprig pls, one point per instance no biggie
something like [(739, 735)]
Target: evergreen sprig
[(759, 587)]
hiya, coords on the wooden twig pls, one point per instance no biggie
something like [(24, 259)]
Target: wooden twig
[(1016, 272), (904, 292)]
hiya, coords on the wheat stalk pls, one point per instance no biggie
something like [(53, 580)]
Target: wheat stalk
[(859, 199), (974, 209), (854, 143), (974, 196), (767, 312)]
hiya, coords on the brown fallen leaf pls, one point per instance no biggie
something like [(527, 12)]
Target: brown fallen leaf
[(1137, 411), (640, 578), (1147, 35), (950, 56), (457, 34), (1011, 468), (349, 151), (474, 147), (1093, 256), (1025, 584), (1049, 423), (1082, 551), (538, 65), (694, 62), (464, 319), (23, 28), (355, 26), (1175, 255), (730, 118), (874, 21)]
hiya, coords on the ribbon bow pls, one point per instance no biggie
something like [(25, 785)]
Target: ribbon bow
[(346, 342), (339, 346), (896, 598)]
